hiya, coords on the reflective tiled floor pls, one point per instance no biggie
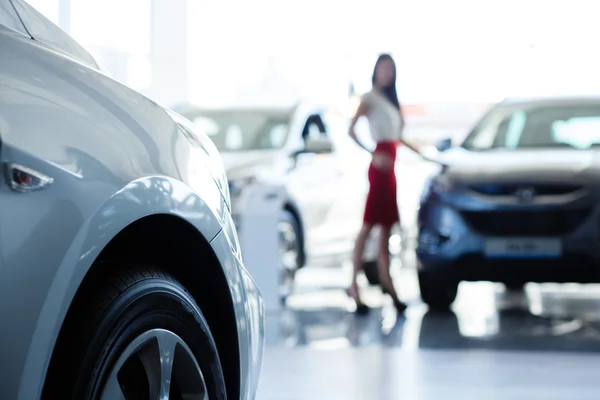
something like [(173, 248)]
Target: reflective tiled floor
[(536, 344), (543, 317), (374, 373), (541, 344)]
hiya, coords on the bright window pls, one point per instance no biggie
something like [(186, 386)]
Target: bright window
[(48, 8), (121, 25)]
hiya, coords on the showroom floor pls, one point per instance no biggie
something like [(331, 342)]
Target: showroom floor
[(540, 344)]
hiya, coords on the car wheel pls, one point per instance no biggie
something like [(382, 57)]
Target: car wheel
[(139, 335), (515, 286), (438, 291), (290, 252)]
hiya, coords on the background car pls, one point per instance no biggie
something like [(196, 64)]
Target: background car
[(516, 202), (306, 149), (121, 275)]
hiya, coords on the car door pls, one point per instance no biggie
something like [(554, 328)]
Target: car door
[(314, 178)]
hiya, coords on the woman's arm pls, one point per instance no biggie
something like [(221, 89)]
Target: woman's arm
[(362, 110), (402, 123), (410, 146)]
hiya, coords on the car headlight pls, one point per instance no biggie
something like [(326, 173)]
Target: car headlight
[(213, 161), (440, 186), (437, 185)]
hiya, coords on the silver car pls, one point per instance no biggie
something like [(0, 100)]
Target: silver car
[(516, 202), (120, 270)]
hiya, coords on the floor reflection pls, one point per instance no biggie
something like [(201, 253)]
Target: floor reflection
[(542, 318), (509, 330)]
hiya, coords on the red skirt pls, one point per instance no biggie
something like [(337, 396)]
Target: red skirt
[(382, 204)]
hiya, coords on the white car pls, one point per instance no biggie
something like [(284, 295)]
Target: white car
[(306, 149)]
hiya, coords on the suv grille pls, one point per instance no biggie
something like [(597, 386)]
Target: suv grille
[(509, 189), (526, 223)]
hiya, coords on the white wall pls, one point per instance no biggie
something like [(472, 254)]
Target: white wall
[(224, 51), (169, 82)]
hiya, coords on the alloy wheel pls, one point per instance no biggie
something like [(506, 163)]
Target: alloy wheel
[(156, 365), (289, 249)]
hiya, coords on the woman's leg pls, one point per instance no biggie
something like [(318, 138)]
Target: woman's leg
[(357, 259), (383, 263)]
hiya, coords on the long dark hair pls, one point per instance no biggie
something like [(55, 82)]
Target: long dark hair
[(389, 91)]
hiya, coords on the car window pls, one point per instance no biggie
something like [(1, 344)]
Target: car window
[(527, 126), (244, 131), (484, 135), (516, 123), (43, 30), (313, 131), (9, 17), (314, 128), (578, 132)]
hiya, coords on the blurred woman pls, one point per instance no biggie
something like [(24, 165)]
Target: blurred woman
[(382, 109)]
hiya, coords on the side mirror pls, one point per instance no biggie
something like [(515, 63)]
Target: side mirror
[(443, 145), (318, 146)]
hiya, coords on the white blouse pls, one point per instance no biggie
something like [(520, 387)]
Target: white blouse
[(385, 121)]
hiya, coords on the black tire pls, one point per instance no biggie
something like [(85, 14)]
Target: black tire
[(514, 286), (372, 272), (115, 311), (288, 272), (438, 290), (440, 330)]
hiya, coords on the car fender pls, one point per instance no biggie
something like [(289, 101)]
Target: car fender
[(109, 151), (141, 198)]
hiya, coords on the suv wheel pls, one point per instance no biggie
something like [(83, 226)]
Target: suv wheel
[(140, 334), (514, 286), (438, 290)]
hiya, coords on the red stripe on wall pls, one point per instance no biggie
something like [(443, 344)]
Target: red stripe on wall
[(412, 110)]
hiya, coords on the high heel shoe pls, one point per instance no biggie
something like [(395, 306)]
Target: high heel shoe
[(400, 306), (361, 308)]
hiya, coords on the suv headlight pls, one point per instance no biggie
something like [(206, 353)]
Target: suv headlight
[(437, 185)]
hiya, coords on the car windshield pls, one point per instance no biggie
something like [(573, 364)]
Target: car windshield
[(514, 127), (244, 130)]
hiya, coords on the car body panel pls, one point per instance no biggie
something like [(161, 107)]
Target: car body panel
[(115, 157), (50, 34), (251, 328), (521, 165)]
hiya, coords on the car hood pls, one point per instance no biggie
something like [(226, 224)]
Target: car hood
[(522, 165), (245, 164)]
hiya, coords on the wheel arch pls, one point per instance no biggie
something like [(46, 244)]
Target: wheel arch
[(146, 206), (176, 253)]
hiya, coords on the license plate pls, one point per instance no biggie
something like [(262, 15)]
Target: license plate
[(523, 248)]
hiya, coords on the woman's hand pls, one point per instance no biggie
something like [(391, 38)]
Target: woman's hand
[(382, 161)]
